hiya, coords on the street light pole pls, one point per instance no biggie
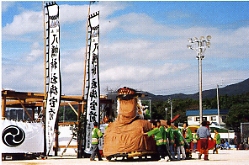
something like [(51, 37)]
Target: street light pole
[(171, 108), (199, 57), (218, 104), (200, 45), (166, 110), (150, 109)]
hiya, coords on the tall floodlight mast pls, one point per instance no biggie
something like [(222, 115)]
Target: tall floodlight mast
[(199, 45)]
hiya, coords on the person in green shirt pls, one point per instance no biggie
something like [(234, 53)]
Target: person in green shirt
[(158, 133), (96, 134), (165, 141), (171, 138), (179, 141), (217, 141), (195, 140), (187, 134), (163, 132)]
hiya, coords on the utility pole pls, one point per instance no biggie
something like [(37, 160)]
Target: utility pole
[(199, 45), (218, 104)]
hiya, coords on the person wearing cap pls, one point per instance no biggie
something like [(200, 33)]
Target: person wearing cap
[(96, 134), (204, 134)]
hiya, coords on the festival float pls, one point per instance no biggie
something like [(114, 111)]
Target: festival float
[(124, 137)]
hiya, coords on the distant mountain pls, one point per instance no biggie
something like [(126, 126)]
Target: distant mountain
[(230, 90), (234, 89)]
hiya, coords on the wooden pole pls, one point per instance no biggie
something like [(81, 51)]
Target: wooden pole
[(3, 107), (81, 107), (45, 79), (25, 110), (56, 141), (84, 81), (80, 152), (33, 113), (77, 113), (44, 49)]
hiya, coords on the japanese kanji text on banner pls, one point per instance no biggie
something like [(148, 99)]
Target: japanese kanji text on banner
[(54, 87), (93, 93)]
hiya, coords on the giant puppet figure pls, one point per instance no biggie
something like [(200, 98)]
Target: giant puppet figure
[(124, 137)]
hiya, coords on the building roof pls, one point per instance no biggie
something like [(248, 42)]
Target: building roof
[(206, 112)]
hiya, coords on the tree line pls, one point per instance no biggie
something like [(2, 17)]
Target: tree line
[(237, 105)]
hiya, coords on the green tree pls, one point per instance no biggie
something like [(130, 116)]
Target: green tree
[(237, 114), (158, 110), (69, 114)]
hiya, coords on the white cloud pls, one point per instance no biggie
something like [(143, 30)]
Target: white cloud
[(147, 55), (6, 5), (72, 13), (136, 73), (36, 52), (108, 8), (210, 80), (178, 15), (23, 77), (26, 22)]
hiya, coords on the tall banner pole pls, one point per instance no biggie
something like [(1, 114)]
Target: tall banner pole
[(81, 116), (85, 61), (54, 77), (45, 73), (93, 94)]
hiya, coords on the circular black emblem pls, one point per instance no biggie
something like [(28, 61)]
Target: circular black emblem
[(13, 136)]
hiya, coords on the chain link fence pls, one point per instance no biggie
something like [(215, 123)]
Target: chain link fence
[(244, 127)]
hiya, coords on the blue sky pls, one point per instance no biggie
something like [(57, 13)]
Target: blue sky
[(142, 45)]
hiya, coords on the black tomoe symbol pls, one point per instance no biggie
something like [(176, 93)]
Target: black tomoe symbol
[(13, 136)]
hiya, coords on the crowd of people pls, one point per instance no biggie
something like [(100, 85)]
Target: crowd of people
[(178, 144), (173, 143)]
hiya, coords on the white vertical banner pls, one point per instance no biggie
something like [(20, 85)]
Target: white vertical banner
[(93, 93), (54, 87)]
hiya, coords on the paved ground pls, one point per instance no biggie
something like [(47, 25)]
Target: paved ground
[(225, 157)]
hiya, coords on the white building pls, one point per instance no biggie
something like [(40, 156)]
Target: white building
[(211, 115)]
